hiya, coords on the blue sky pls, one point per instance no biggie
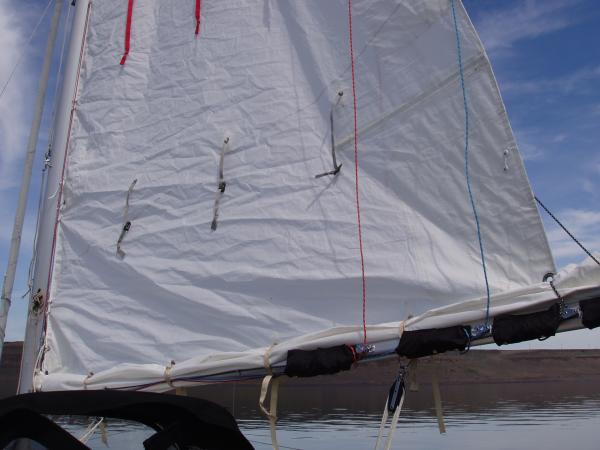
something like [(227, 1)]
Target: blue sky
[(546, 57)]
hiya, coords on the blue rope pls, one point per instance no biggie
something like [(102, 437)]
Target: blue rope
[(464, 92)]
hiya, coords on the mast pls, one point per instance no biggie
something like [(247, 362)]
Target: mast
[(64, 107), (15, 242)]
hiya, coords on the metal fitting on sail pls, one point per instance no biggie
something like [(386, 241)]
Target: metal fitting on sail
[(37, 301), (221, 186), (126, 221), (363, 349), (336, 166), (479, 331), (47, 158), (566, 312)]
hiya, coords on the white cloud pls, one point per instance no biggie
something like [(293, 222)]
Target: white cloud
[(532, 140), (574, 81), (500, 29), (588, 186), (560, 137), (530, 152), (584, 225), (16, 100)]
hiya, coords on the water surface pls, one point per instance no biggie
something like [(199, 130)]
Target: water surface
[(548, 415)]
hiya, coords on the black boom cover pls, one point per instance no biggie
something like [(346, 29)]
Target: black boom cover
[(418, 343), (322, 361), (510, 329), (590, 312)]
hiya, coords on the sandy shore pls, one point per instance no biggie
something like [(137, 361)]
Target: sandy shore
[(476, 366)]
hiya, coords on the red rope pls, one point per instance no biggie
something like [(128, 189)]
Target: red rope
[(127, 31), (198, 6), (360, 241)]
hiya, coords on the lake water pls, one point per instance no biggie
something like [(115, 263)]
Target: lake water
[(550, 415)]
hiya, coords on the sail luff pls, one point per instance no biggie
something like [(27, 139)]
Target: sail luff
[(44, 249)]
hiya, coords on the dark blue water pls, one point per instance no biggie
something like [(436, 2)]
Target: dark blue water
[(478, 417)]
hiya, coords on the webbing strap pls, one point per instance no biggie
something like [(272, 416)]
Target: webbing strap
[(393, 424), (126, 221), (437, 400), (198, 6), (127, 31), (413, 383), (391, 401), (270, 413), (273, 382), (384, 418), (104, 433), (221, 186)]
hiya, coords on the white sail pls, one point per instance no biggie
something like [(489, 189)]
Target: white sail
[(273, 79)]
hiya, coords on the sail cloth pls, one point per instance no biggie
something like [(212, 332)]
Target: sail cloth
[(283, 265)]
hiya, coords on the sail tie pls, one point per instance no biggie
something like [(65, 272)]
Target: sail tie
[(273, 382), (437, 401), (91, 429), (360, 241), (167, 373), (198, 7), (127, 32), (86, 380), (126, 221), (336, 167), (221, 186), (467, 174)]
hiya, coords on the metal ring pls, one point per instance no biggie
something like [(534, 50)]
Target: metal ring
[(548, 275)]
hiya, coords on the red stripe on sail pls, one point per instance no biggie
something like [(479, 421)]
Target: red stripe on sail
[(127, 31), (198, 6)]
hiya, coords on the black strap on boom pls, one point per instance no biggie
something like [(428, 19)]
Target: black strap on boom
[(418, 343), (510, 329), (322, 361), (590, 312)]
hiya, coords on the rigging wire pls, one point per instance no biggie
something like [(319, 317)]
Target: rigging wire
[(467, 174), (360, 241), (66, 29), (567, 231), (22, 55)]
